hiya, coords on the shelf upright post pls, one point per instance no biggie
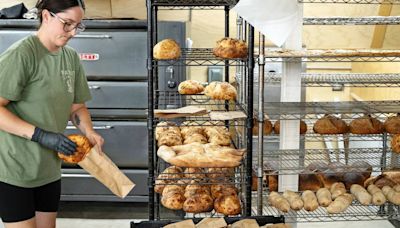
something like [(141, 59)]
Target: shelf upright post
[(150, 117), (291, 92), (249, 124), (260, 118), (226, 13)]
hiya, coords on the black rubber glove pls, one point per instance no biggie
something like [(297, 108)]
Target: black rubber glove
[(54, 141)]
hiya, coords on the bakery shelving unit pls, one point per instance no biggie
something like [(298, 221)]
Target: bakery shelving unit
[(293, 161), (164, 100)]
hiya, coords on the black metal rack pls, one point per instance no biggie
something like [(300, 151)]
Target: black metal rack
[(162, 99)]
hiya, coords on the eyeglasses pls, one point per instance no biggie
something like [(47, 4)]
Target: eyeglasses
[(68, 27)]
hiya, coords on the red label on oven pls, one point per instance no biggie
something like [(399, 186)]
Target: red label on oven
[(89, 56)]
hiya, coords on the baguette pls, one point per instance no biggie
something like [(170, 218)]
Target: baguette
[(310, 200), (294, 200), (391, 195), (324, 197), (340, 204), (361, 194), (377, 195), (279, 202), (337, 189)]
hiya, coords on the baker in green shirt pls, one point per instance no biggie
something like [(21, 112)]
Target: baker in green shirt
[(42, 86)]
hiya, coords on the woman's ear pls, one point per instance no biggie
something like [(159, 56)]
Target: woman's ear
[(45, 16)]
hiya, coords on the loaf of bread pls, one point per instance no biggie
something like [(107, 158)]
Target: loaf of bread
[(279, 202), (392, 125), (353, 177), (391, 195), (303, 127), (173, 197), (310, 200), (340, 204), (190, 87), (198, 155), (83, 147), (230, 48), (267, 127), (196, 189), (337, 189), (271, 174), (167, 49), (366, 125), (324, 197), (395, 143), (170, 175), (228, 205), (220, 91), (166, 127), (198, 203), (378, 198), (380, 181), (218, 135), (330, 125), (361, 194), (363, 167), (309, 181), (393, 174), (218, 190), (397, 187), (295, 201)]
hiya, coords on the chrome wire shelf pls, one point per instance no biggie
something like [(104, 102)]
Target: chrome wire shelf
[(172, 100), (370, 20), (313, 110), (199, 57), (314, 137), (356, 212), (342, 79), (289, 162), (352, 1)]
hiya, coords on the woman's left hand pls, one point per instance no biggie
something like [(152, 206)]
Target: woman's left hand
[(96, 140)]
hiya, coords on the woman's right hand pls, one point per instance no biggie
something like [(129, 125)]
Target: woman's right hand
[(54, 141)]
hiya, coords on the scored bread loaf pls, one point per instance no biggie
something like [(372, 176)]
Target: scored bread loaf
[(228, 205), (366, 125), (340, 204), (279, 202), (324, 197), (337, 189), (378, 198), (361, 194), (83, 147), (391, 195), (198, 203), (167, 49), (168, 176), (190, 87), (330, 125), (310, 200), (295, 201), (303, 127), (392, 124), (220, 91), (230, 48)]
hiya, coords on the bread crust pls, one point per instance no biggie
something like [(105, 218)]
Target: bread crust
[(366, 125), (230, 48), (330, 125), (167, 49), (83, 147)]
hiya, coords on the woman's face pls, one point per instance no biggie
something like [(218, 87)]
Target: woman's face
[(63, 25)]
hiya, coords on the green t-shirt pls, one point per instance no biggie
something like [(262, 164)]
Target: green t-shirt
[(41, 87)]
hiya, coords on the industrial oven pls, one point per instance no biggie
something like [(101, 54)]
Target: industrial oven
[(114, 55)]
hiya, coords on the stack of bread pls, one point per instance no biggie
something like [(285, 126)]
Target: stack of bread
[(197, 190), (168, 134)]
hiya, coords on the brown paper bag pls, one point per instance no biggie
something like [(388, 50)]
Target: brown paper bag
[(104, 170)]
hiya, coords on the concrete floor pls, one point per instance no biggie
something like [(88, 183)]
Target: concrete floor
[(120, 215)]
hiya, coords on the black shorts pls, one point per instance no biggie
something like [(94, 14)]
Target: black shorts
[(19, 204)]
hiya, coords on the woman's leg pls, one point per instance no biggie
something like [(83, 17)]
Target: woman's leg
[(46, 219), (30, 223), (47, 199)]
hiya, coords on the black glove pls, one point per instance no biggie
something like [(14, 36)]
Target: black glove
[(54, 141)]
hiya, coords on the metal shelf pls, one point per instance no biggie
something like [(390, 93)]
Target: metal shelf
[(314, 110), (194, 4), (314, 137), (332, 55), (288, 161), (342, 79), (356, 212), (352, 1), (199, 57), (370, 20)]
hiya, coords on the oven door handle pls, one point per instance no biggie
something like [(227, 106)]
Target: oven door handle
[(94, 87), (105, 127), (93, 36), (76, 175)]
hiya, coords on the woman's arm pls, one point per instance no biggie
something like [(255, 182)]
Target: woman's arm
[(80, 117), (13, 124)]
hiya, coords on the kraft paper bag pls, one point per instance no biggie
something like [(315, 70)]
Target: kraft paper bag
[(104, 170)]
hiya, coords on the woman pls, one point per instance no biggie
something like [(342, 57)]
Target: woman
[(42, 86)]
